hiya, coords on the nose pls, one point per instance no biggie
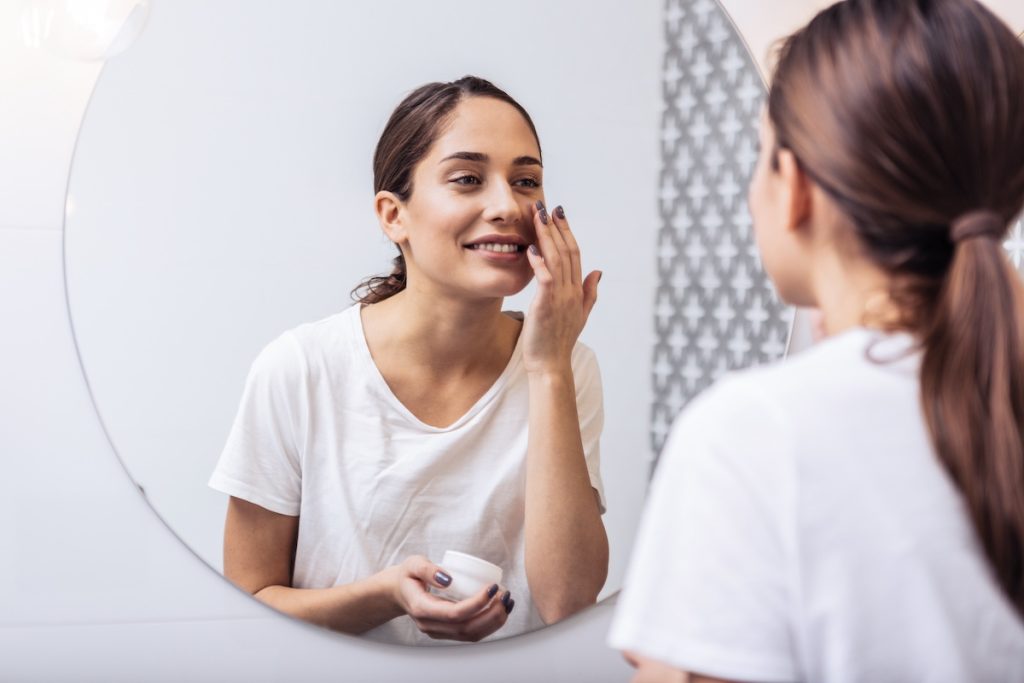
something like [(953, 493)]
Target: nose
[(503, 205)]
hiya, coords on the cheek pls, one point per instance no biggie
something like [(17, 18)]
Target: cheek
[(756, 196), (765, 230)]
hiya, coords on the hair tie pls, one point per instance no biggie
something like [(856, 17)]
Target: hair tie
[(977, 223)]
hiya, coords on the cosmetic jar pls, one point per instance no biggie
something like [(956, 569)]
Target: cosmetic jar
[(470, 575)]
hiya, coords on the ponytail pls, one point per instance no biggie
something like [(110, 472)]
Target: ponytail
[(972, 391), (376, 288)]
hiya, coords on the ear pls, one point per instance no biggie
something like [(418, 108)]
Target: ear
[(796, 199), (389, 209)]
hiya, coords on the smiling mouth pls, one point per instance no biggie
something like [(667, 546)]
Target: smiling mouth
[(497, 248)]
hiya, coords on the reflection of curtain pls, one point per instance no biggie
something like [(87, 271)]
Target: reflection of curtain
[(715, 309)]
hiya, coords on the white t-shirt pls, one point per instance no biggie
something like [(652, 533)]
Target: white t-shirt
[(800, 527), (320, 435)]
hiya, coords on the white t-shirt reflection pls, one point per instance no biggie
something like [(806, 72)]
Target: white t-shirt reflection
[(320, 435)]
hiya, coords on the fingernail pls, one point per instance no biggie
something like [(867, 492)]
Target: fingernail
[(505, 599), (540, 205), (442, 578), (560, 213), (491, 591), (509, 606), (534, 250), (600, 275), (544, 216)]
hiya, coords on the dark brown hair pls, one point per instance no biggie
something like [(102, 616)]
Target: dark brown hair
[(413, 127), (909, 114)]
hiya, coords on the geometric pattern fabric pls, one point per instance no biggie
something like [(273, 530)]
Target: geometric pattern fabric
[(715, 309)]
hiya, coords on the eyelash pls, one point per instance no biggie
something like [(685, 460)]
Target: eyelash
[(458, 181)]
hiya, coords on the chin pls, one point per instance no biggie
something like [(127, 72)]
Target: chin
[(502, 287)]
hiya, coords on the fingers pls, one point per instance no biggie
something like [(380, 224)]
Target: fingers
[(590, 293), (539, 265), (481, 625), (491, 619), (427, 572), (546, 242), (572, 249), (479, 622)]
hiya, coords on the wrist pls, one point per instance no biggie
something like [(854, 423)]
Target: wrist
[(550, 372), (385, 588)]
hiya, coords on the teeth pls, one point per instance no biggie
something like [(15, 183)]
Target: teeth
[(500, 248)]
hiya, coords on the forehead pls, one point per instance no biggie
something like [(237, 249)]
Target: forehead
[(489, 126)]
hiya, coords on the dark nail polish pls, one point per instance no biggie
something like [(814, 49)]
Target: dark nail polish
[(544, 216), (509, 606), (443, 579), (560, 213), (599, 275), (534, 250), (505, 599), (491, 591), (540, 205)]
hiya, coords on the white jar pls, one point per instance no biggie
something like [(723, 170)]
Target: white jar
[(470, 575)]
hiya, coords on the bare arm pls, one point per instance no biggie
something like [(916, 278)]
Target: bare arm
[(566, 544), (259, 557)]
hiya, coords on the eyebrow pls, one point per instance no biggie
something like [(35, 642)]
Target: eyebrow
[(483, 158)]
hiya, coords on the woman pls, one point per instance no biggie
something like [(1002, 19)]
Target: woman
[(856, 513), (424, 419)]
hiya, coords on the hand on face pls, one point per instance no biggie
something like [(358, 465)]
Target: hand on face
[(469, 620), (564, 298)]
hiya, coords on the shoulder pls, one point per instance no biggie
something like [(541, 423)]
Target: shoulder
[(342, 326), (826, 378), (739, 403), (584, 358), (585, 370), (289, 357), (774, 407)]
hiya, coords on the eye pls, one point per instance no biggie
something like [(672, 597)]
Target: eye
[(466, 180), (528, 182)]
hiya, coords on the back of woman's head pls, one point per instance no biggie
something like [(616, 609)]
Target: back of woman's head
[(909, 115), (412, 129)]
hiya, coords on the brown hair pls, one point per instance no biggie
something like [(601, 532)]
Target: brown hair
[(909, 114), (413, 127)]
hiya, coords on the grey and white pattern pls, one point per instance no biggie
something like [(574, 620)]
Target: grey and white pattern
[(715, 308)]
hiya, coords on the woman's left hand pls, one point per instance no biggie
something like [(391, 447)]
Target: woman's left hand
[(564, 298)]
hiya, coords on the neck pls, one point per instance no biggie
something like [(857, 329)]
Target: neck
[(430, 330), (851, 292)]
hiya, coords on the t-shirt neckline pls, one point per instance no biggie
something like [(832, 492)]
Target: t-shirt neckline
[(363, 349)]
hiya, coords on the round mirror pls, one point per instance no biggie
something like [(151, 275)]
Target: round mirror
[(221, 193)]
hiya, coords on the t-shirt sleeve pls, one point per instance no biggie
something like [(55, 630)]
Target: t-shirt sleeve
[(590, 409), (261, 461), (709, 586)]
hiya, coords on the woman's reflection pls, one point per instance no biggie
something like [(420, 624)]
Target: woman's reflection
[(424, 419)]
